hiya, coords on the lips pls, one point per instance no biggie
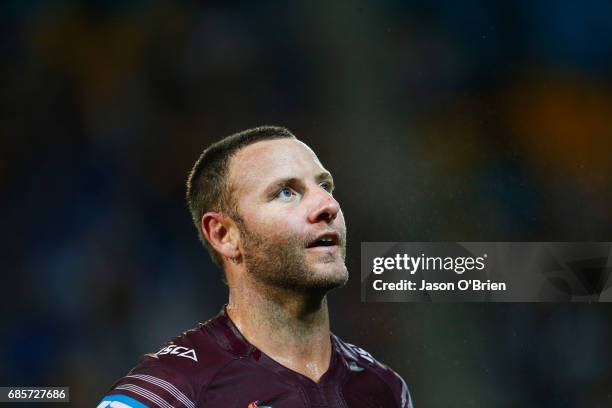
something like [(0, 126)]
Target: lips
[(328, 239)]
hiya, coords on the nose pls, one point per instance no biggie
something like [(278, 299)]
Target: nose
[(325, 207)]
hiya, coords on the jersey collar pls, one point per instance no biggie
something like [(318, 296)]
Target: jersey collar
[(229, 337)]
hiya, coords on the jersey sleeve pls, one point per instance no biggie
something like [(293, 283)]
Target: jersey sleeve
[(150, 385)]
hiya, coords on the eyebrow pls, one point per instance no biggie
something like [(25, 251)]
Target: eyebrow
[(325, 176)]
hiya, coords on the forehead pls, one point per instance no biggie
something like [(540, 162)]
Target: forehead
[(263, 162)]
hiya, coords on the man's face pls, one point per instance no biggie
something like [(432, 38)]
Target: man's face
[(292, 229)]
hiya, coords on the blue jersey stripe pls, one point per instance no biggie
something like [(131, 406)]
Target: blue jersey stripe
[(130, 402)]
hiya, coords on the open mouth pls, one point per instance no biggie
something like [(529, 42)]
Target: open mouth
[(325, 240)]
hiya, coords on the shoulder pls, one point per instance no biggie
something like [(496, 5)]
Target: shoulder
[(174, 376), (194, 352), (359, 359)]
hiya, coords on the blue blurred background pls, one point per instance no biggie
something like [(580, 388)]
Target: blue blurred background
[(441, 120)]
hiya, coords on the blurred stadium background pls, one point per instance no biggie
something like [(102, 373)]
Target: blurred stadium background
[(447, 120)]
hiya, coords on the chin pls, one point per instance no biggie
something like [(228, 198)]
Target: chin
[(329, 276)]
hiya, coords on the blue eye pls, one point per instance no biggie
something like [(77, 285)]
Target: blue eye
[(285, 192), (327, 186)]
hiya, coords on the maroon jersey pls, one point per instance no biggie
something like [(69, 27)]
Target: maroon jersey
[(214, 366)]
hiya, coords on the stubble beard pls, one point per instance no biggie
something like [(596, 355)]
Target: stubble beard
[(285, 267)]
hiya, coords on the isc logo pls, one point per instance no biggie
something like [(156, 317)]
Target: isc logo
[(179, 351)]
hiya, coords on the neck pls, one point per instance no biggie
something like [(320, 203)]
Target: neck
[(289, 326)]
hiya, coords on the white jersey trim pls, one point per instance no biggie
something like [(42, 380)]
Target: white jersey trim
[(175, 392), (156, 399)]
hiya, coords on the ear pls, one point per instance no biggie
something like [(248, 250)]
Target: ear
[(220, 232)]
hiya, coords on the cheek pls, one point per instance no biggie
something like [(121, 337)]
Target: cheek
[(274, 228), (283, 230)]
